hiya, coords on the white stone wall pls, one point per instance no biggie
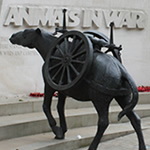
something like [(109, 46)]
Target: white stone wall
[(20, 68)]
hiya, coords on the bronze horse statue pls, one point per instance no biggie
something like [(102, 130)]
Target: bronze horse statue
[(106, 80)]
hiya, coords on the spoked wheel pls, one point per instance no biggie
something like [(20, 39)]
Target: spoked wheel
[(96, 34), (68, 61)]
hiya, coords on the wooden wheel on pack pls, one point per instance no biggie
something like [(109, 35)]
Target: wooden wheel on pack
[(68, 61)]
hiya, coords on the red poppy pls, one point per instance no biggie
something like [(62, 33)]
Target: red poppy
[(41, 94), (144, 88)]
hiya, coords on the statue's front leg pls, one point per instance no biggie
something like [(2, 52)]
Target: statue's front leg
[(61, 112), (48, 94)]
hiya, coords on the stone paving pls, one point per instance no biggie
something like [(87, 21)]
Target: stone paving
[(128, 142)]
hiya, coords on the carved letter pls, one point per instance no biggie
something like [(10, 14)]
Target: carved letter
[(13, 17), (114, 16), (57, 18), (129, 20), (96, 17), (46, 16), (140, 19), (86, 18), (90, 16), (30, 15), (74, 19)]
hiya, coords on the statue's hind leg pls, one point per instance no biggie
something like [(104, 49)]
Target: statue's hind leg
[(134, 119), (101, 106)]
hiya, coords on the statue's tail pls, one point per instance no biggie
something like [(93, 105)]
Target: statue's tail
[(135, 96)]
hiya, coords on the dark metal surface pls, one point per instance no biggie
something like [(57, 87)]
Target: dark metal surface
[(98, 35)]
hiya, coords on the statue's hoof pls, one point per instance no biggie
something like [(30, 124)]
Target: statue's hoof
[(59, 134), (59, 137)]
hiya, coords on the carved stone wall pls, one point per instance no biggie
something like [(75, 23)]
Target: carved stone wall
[(20, 68)]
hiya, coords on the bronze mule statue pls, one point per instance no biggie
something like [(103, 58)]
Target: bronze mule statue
[(106, 80)]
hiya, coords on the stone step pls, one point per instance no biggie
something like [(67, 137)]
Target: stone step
[(75, 138), (36, 123), (21, 105), (26, 104)]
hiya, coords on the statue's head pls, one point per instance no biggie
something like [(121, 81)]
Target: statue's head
[(26, 38)]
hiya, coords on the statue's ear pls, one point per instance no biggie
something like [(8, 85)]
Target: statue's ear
[(38, 31)]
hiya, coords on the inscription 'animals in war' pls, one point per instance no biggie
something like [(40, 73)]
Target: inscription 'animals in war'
[(85, 18)]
